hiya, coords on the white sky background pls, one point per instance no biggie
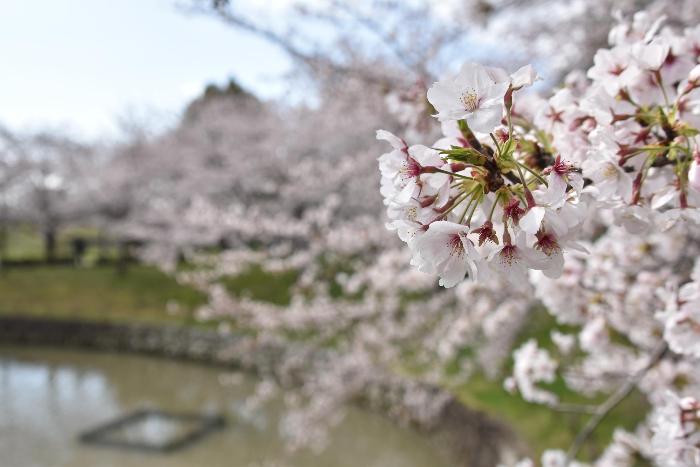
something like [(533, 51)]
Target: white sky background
[(77, 65)]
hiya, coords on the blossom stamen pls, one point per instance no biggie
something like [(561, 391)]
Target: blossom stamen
[(454, 243), (470, 99), (513, 211), (509, 255), (486, 232), (410, 169), (547, 243)]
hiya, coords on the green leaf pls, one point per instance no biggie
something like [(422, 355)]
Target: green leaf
[(688, 131), (508, 149), (466, 155)]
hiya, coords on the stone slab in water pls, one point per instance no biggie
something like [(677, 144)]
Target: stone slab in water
[(153, 430)]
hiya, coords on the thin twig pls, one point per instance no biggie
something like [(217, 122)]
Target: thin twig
[(618, 396), (574, 408)]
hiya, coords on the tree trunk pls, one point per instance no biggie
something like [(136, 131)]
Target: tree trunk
[(50, 245)]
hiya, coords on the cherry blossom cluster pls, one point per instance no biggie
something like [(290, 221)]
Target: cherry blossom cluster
[(676, 439), (591, 199), (504, 189), (633, 127), (629, 301), (489, 198), (681, 317)]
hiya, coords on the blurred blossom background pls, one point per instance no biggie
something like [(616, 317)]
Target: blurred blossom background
[(207, 169)]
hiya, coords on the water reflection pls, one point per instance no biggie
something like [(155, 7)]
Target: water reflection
[(48, 397)]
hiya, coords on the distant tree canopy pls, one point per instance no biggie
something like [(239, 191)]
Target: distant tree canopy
[(215, 92)]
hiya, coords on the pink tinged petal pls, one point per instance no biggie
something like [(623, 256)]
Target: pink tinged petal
[(663, 198), (388, 190), (447, 249), (503, 258), (694, 74), (694, 175), (531, 221), (473, 75), (485, 120), (635, 219), (509, 262), (554, 266), (630, 76), (555, 195), (524, 76), (651, 56), (498, 75), (390, 163), (495, 94), (556, 221), (443, 196), (450, 130), (407, 231), (444, 96), (473, 257), (447, 142), (576, 181), (445, 227), (419, 262), (534, 259), (482, 272), (395, 141), (577, 247), (437, 180), (436, 244), (407, 192), (654, 28), (453, 271), (691, 215), (486, 77), (625, 185), (425, 156), (573, 214)]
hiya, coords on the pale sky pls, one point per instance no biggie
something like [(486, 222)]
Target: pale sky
[(79, 64)]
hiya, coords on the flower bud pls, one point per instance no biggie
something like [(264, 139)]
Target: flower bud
[(525, 76), (651, 56), (694, 75), (694, 174)]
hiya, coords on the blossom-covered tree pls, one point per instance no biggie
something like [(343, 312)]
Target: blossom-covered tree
[(48, 181), (589, 201)]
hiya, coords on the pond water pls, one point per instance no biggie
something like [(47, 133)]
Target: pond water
[(49, 397)]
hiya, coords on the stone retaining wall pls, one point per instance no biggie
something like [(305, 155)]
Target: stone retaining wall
[(469, 437), (169, 341)]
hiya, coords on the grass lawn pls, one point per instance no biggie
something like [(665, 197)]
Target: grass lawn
[(140, 295), (258, 284), (540, 427), (25, 242), (96, 293)]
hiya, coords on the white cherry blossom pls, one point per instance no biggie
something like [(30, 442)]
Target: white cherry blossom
[(475, 94)]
